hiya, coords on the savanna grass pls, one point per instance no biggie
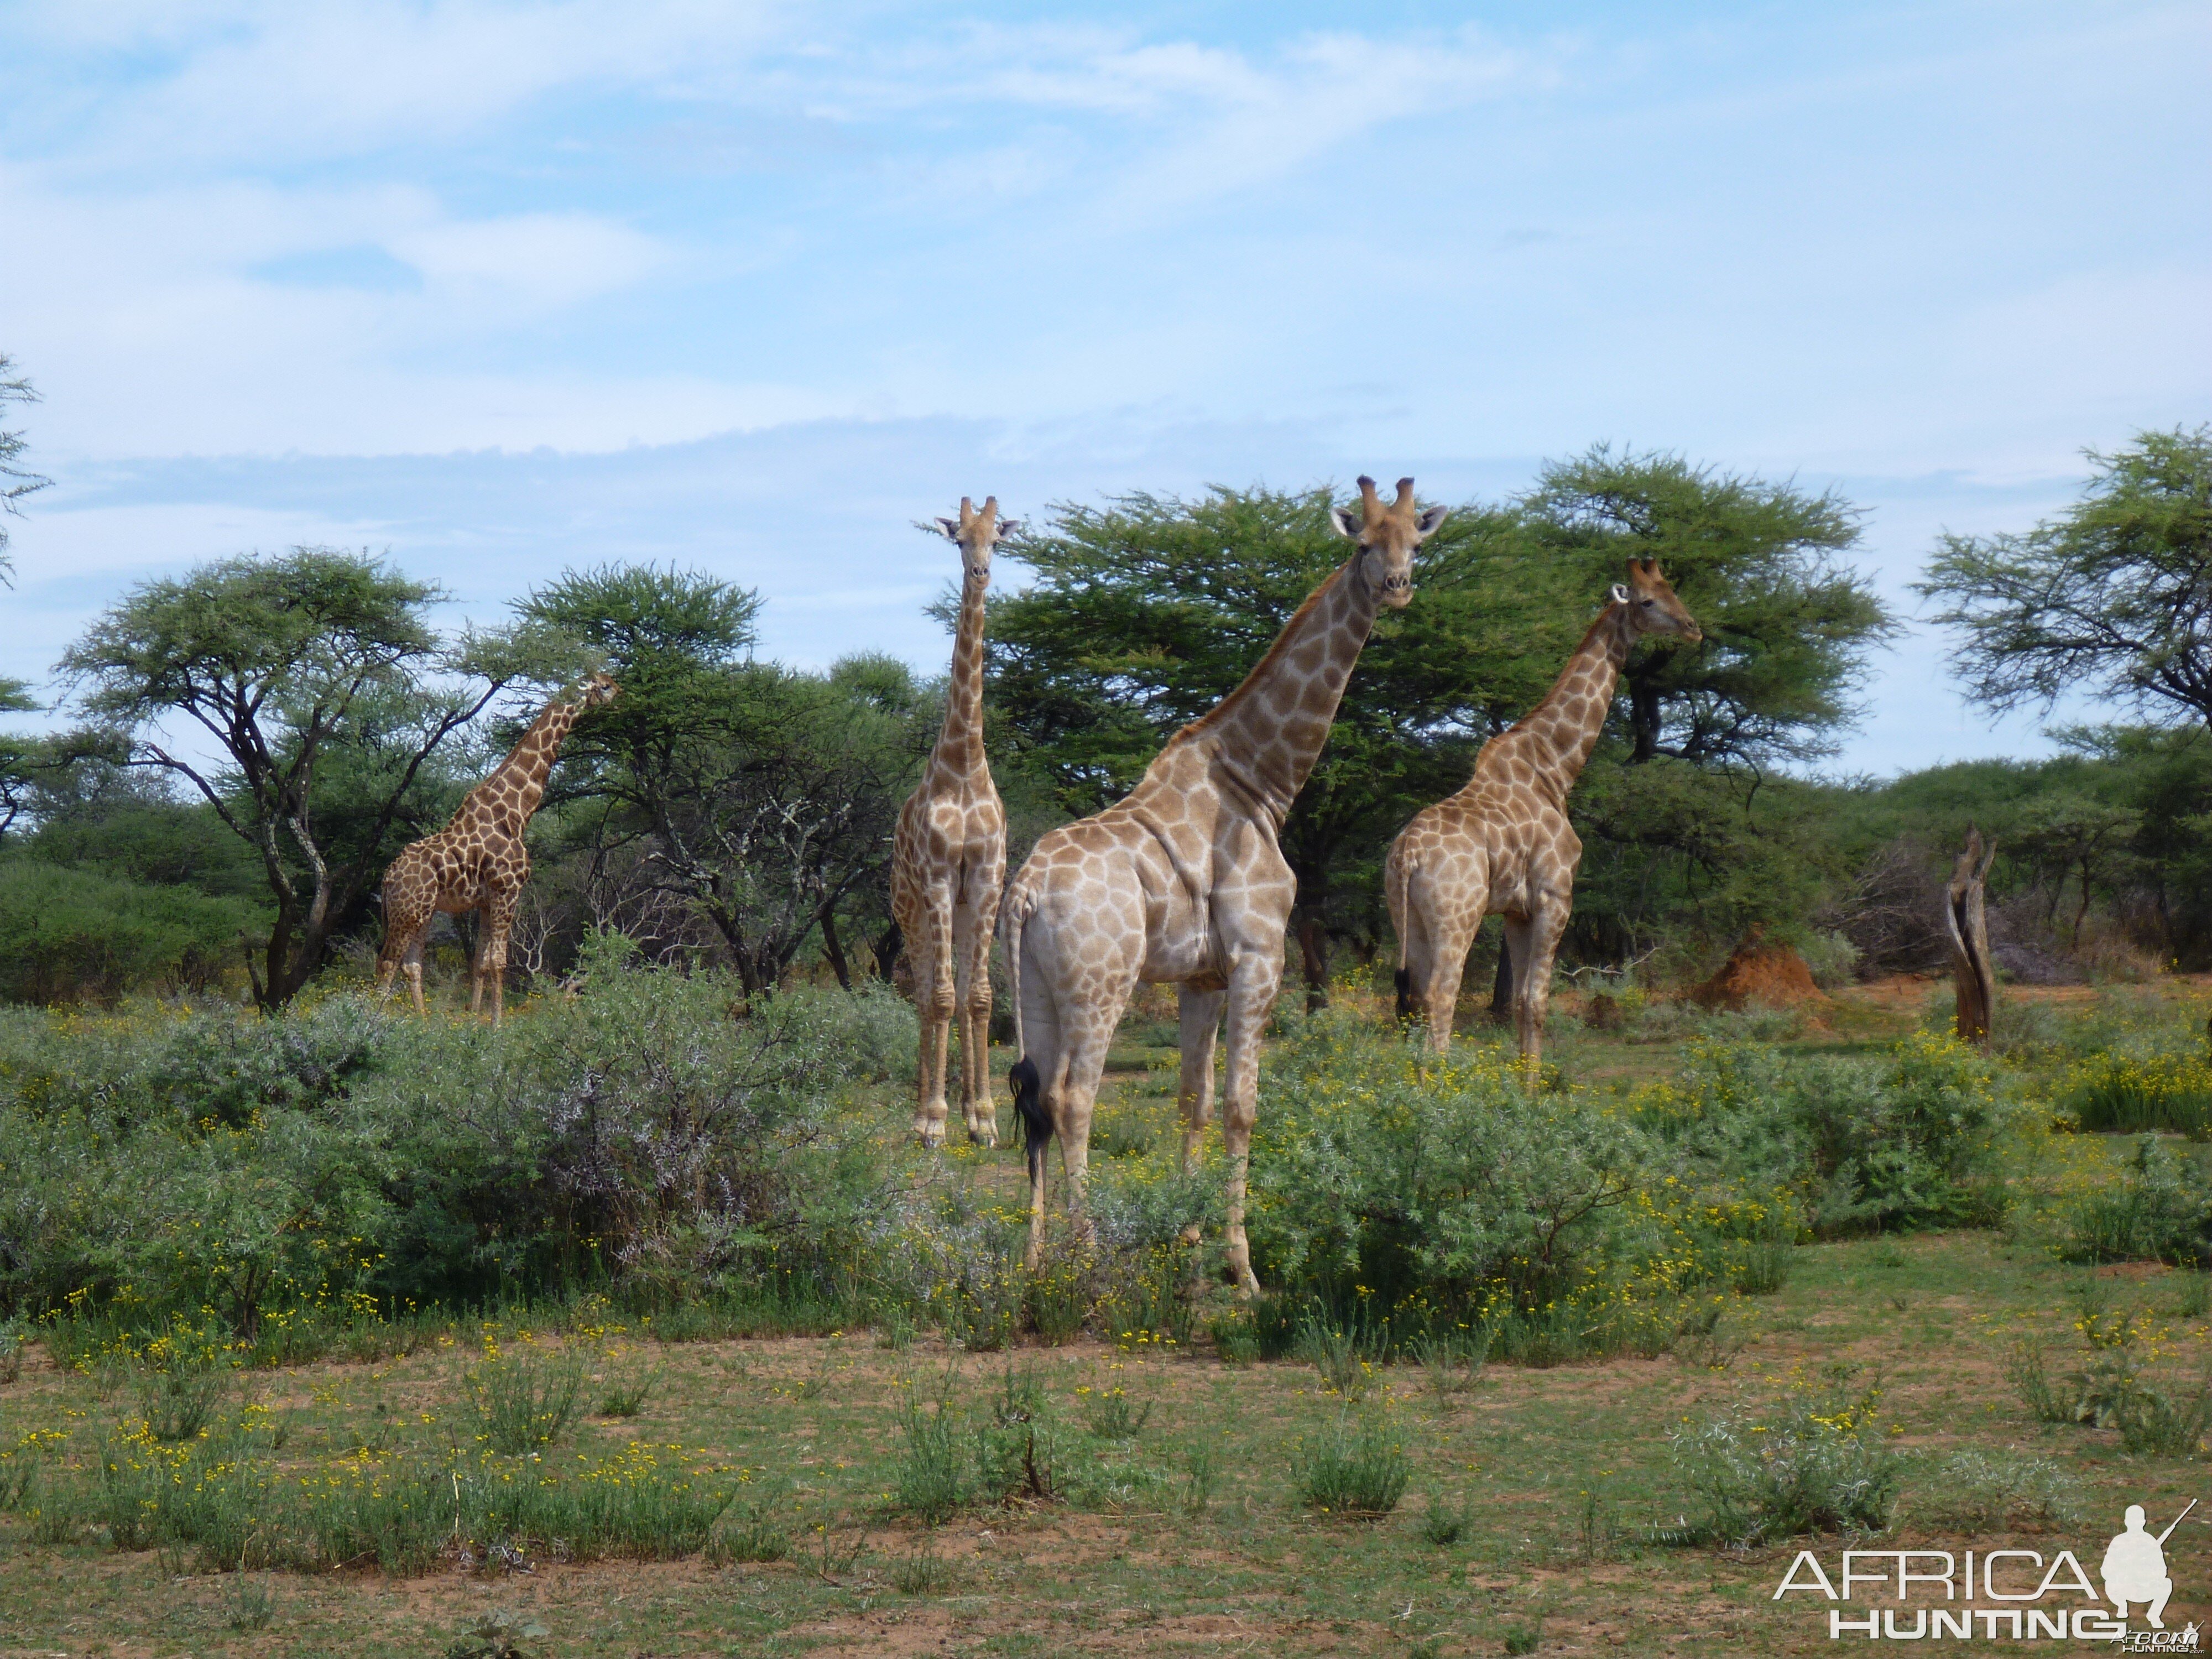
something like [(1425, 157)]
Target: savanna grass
[(523, 1402), (1354, 1470)]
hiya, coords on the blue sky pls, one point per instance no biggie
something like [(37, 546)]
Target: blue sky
[(506, 289)]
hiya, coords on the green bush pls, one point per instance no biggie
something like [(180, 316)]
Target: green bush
[(1915, 1138), (1986, 1491), (1763, 1476), (523, 1403), (69, 935), (2158, 1210), (1356, 1471), (1378, 1175), (303, 1172)]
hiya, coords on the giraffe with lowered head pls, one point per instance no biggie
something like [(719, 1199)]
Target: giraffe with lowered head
[(1503, 843), (1182, 881), (479, 861), (949, 862)]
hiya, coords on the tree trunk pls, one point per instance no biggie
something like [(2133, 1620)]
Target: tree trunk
[(1972, 974), (1501, 992), (836, 951), (886, 950), (1313, 954), (1642, 720)]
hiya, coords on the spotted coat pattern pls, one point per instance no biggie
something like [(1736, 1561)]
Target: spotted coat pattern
[(949, 862), (478, 862), (1503, 844), (1182, 881)]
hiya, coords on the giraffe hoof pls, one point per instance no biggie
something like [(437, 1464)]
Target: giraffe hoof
[(931, 1135)]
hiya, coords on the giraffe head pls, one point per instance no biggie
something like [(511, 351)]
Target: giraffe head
[(1652, 606), (1387, 537), (600, 688), (976, 533)]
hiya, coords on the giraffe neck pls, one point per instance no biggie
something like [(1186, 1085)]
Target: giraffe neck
[(1270, 730), (959, 751), (512, 791), (1555, 737)]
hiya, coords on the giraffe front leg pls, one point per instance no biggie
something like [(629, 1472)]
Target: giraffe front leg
[(972, 992), (1253, 986), (1534, 944), (1200, 1018), (936, 997)]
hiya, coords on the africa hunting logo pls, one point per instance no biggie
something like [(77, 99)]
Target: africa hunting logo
[(2017, 1582)]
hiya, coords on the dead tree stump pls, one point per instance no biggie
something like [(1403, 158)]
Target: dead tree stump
[(1967, 924)]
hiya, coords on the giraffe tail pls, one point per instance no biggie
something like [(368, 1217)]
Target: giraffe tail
[(1397, 881), (1024, 1081)]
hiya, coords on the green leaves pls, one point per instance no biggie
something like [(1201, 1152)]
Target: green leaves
[(1787, 627), (2110, 596)]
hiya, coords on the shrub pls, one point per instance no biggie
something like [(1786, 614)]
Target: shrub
[(303, 1172), (176, 1403), (1377, 1170), (2158, 1211), (1913, 1139), (756, 1535), (931, 1481), (524, 1403), (1984, 1492), (67, 934), (1355, 1471), (1444, 1524), (624, 1394), (1765, 1476)]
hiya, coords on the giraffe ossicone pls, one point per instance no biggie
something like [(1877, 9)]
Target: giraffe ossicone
[(949, 860), (479, 861), (1503, 843), (1182, 882)]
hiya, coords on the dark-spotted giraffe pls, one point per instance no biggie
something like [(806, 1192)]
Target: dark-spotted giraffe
[(477, 862)]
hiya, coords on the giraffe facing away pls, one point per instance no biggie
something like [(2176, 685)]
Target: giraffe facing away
[(949, 862), (1182, 882), (1503, 843), (477, 862)]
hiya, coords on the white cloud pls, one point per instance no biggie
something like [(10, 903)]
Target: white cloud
[(287, 83)]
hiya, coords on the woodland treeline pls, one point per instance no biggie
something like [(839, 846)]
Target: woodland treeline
[(731, 809)]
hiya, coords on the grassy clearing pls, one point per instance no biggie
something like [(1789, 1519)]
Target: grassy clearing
[(801, 1463), (1531, 1498)]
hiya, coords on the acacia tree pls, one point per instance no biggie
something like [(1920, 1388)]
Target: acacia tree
[(1148, 610), (276, 661), (762, 797), (2114, 594), (16, 480), (1788, 627)]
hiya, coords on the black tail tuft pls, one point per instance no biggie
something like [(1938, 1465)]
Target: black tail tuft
[(1405, 1009), (1028, 1107)]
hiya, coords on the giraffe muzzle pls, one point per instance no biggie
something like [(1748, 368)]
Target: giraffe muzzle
[(1397, 591)]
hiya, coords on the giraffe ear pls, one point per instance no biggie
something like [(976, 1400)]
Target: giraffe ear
[(1341, 521), (1620, 593), (1009, 528), (951, 527), (1430, 520)]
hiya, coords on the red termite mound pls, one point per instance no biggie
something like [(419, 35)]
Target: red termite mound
[(1762, 975)]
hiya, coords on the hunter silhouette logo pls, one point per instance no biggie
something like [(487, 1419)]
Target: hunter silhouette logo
[(2004, 1594), (2135, 1567)]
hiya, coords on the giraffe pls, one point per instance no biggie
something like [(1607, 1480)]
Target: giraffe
[(1182, 882), (477, 862), (1503, 843), (949, 860)]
